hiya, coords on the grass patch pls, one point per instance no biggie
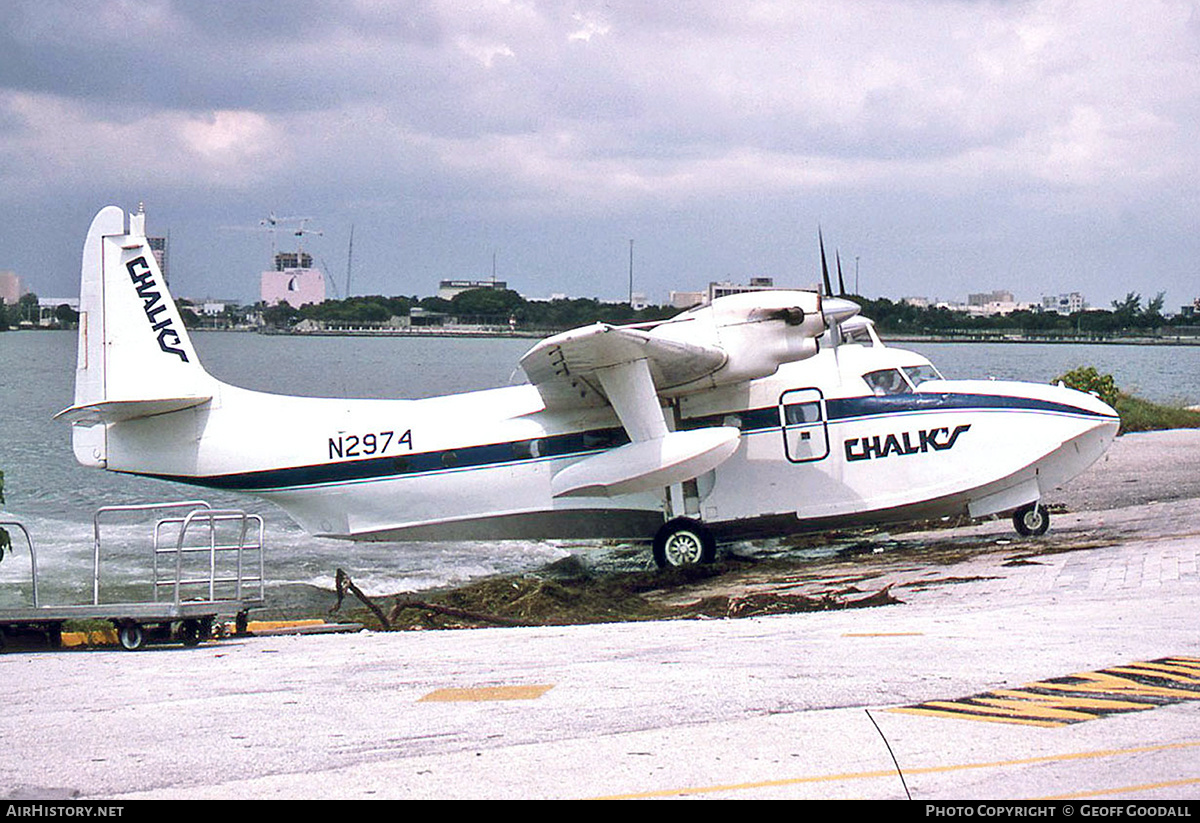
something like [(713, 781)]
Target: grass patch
[(1138, 415)]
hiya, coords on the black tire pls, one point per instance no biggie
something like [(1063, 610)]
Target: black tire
[(683, 542), (132, 637), (191, 632), (1031, 520)]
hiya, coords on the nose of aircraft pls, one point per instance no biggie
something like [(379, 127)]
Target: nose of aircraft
[(1086, 401)]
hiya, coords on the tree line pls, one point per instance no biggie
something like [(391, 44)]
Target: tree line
[(506, 307), (493, 306), (1125, 317), (27, 310)]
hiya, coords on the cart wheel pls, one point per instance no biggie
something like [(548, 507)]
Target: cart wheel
[(131, 636), (190, 632)]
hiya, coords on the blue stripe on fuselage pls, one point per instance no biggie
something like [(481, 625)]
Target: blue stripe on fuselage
[(583, 443)]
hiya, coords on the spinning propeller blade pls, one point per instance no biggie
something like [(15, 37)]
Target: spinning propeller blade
[(824, 264)]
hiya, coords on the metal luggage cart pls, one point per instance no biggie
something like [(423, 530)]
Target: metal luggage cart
[(205, 563)]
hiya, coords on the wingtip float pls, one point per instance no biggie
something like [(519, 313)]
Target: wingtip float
[(759, 414)]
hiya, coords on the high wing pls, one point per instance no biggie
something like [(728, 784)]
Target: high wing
[(634, 369), (566, 368)]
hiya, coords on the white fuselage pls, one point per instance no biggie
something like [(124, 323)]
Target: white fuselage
[(818, 448), (760, 413)]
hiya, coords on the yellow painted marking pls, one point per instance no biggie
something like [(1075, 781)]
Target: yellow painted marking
[(1006, 709), (884, 634), (1114, 693), (958, 767), (1176, 666), (960, 715), (1096, 703), (1108, 683), (1032, 708), (1144, 787), (1146, 670), (486, 693)]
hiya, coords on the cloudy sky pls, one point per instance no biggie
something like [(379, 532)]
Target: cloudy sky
[(943, 146)]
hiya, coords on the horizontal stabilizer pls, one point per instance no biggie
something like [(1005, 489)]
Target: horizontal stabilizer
[(116, 411), (648, 465)]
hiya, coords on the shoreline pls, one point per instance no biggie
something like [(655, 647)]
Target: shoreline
[(1101, 341), (538, 334)]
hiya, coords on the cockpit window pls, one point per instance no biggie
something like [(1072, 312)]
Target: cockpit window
[(861, 335), (887, 381), (920, 374)]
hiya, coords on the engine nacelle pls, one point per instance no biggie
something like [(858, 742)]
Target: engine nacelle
[(758, 331)]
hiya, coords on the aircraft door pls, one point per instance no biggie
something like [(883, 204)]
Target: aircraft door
[(805, 430)]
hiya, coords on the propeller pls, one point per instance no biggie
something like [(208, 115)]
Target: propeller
[(824, 264), (835, 309)]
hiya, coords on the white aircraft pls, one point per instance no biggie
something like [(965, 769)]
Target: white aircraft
[(760, 414)]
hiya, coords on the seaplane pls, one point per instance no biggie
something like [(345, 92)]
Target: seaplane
[(757, 415)]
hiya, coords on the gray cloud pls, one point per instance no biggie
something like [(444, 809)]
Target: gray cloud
[(1039, 146)]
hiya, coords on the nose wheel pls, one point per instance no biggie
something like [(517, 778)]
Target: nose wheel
[(1031, 520), (684, 542)]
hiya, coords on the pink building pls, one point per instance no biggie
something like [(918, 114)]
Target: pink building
[(10, 287), (297, 286)]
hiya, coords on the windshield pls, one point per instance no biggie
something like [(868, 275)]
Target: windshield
[(920, 374), (887, 381)]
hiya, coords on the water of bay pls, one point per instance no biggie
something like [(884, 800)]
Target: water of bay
[(56, 497)]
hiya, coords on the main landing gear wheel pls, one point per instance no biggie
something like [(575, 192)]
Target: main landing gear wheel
[(683, 542), (1031, 520)]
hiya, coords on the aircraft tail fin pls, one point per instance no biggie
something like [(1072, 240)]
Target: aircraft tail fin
[(135, 357)]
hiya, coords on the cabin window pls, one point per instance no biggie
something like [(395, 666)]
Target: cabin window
[(798, 413), (887, 381), (921, 374), (805, 438)]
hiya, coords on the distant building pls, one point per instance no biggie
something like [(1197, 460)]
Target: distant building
[(987, 298), (209, 307), (10, 288), (919, 302), (994, 307), (293, 260), (48, 308), (687, 299), (725, 288), (158, 247), (1064, 303), (293, 280), (448, 289)]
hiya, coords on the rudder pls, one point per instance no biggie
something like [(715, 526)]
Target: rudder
[(135, 357)]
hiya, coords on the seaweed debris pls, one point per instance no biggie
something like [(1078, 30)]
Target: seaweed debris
[(566, 596)]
